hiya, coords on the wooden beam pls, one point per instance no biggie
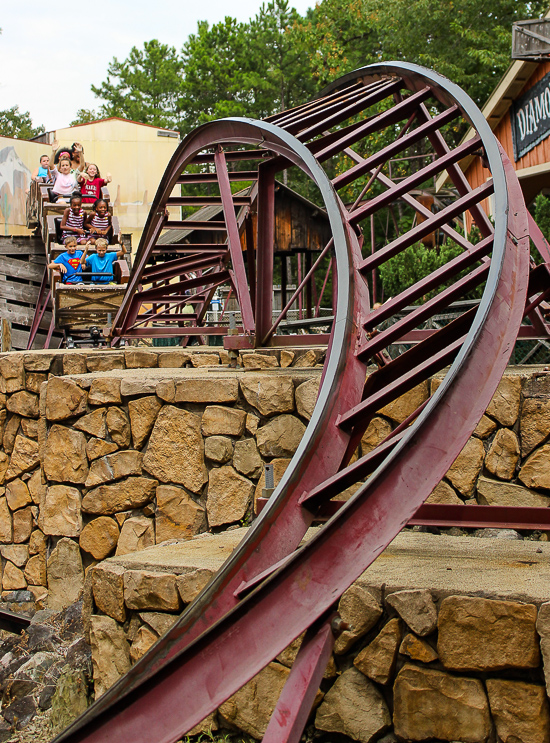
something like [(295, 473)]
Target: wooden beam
[(13, 268), (21, 245), (20, 338), (23, 315), (19, 292)]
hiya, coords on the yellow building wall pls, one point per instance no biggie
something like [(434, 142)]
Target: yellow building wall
[(134, 155)]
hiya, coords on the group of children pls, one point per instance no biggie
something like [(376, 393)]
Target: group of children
[(80, 182), (86, 228), (70, 175), (72, 261)]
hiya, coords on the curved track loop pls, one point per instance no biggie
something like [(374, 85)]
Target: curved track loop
[(272, 589)]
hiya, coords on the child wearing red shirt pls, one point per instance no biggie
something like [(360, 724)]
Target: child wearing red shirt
[(93, 183)]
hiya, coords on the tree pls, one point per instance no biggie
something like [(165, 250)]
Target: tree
[(340, 35), (144, 87), (14, 123), (466, 40), (278, 69), (213, 62), (469, 41), (246, 69), (84, 116)]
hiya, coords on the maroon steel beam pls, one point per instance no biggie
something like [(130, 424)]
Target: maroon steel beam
[(336, 109), (321, 103), (205, 200), (424, 312), (422, 287), (541, 243), (479, 517), (192, 224), (294, 705), (465, 516), (265, 251), (41, 305), (234, 242), (171, 269), (354, 133), (414, 180), (397, 146), (457, 176), (164, 332), (232, 155), (342, 113), (195, 248), (172, 290), (236, 175), (430, 225), (290, 302)]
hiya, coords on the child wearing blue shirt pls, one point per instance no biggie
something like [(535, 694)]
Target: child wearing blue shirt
[(69, 264), (102, 262)]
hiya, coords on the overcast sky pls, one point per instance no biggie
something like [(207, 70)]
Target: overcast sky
[(50, 53)]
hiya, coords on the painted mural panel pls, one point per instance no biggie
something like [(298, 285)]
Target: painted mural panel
[(17, 160)]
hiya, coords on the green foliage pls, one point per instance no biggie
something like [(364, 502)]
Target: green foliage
[(213, 59), (18, 124), (279, 59), (84, 116), (238, 69), (279, 70), (541, 214), (413, 264), (145, 87), (466, 40)]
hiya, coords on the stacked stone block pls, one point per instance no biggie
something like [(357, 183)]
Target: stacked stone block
[(414, 664), (101, 457)]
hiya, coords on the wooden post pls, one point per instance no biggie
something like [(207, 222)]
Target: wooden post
[(5, 335)]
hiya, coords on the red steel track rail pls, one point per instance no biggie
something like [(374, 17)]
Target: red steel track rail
[(273, 588)]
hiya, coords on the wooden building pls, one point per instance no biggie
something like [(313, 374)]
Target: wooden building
[(518, 112)]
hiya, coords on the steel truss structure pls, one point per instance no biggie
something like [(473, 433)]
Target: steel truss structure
[(274, 587)]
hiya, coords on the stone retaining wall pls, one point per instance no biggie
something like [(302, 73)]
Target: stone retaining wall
[(110, 452), (106, 452), (460, 661)]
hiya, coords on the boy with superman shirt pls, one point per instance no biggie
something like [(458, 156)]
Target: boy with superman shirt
[(69, 263)]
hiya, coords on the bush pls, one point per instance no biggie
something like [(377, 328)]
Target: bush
[(415, 263)]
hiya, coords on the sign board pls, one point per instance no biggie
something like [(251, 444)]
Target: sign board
[(530, 117)]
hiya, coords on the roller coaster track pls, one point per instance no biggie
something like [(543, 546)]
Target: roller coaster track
[(274, 587)]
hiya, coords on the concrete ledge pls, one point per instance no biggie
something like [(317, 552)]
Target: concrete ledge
[(445, 565)]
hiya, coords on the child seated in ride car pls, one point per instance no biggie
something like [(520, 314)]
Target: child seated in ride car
[(72, 223), (99, 222), (44, 172), (92, 183), (102, 262), (66, 183), (69, 263)]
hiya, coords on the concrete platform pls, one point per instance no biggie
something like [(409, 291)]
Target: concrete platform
[(145, 381), (491, 568)]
